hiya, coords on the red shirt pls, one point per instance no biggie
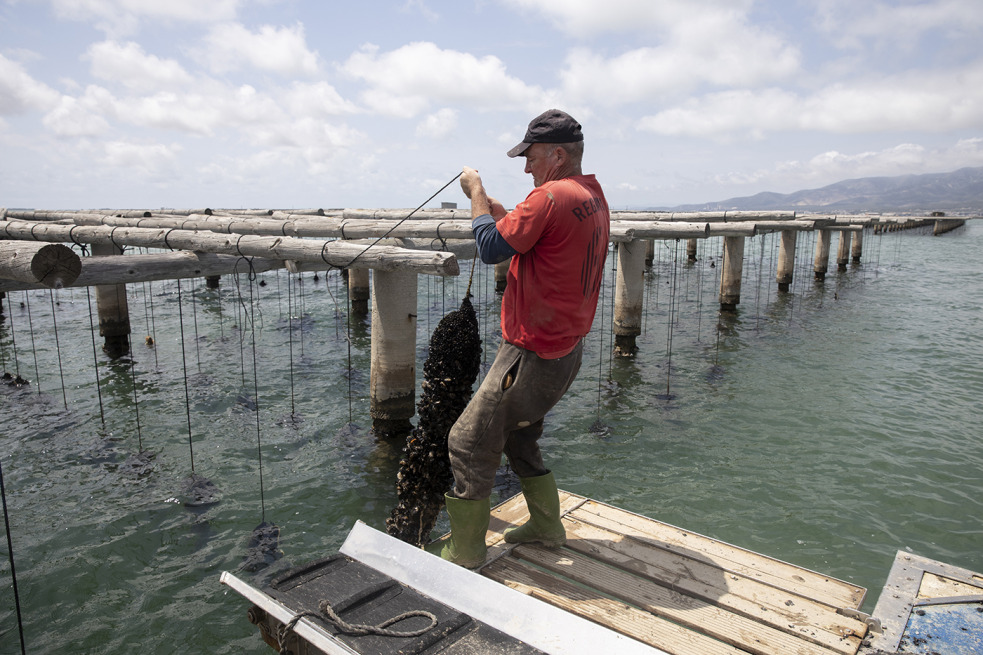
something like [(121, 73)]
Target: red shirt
[(561, 234)]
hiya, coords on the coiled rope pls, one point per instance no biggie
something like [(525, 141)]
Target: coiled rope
[(327, 613)]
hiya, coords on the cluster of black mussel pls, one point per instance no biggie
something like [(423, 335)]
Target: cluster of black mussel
[(14, 380), (424, 470)]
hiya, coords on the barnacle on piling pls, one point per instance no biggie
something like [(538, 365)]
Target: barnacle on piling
[(425, 470)]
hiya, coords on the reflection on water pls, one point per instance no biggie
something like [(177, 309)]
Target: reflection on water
[(830, 426)]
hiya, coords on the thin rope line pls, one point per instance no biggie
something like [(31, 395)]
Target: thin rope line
[(390, 231), (10, 557), (61, 368), (187, 394), (259, 444), (95, 355), (34, 348)]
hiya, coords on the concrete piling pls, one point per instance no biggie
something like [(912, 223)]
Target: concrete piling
[(821, 262), (786, 260), (733, 269), (392, 379), (629, 285)]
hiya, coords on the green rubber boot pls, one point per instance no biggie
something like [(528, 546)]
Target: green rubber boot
[(543, 526), (469, 523)]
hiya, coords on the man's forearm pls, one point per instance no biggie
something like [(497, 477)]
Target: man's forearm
[(480, 205)]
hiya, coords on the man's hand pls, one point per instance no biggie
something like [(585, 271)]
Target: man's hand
[(497, 209), (470, 180)]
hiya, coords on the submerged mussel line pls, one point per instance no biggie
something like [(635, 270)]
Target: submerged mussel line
[(425, 471)]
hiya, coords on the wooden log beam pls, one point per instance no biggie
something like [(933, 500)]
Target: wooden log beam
[(704, 217), (334, 253), (742, 229), (153, 267), (50, 265), (624, 231)]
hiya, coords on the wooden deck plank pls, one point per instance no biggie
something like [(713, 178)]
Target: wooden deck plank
[(749, 598), (613, 614), (794, 579), (694, 613)]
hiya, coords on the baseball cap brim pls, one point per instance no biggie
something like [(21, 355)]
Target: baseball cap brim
[(519, 149)]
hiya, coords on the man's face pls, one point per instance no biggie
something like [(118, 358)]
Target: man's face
[(541, 162)]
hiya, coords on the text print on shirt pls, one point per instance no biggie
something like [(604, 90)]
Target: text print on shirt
[(592, 267), (588, 207)]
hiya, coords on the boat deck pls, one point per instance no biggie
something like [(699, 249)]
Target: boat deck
[(674, 590)]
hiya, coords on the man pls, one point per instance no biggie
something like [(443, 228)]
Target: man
[(557, 240)]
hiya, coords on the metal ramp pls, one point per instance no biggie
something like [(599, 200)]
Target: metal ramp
[(929, 607)]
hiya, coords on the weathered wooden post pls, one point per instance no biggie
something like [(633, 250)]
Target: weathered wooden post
[(358, 290), (733, 269), (691, 250), (843, 250), (786, 260), (50, 264), (628, 289), (649, 252), (821, 263), (211, 281), (114, 312), (392, 380), (858, 246), (501, 276)]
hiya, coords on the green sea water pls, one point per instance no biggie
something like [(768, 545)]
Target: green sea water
[(829, 427)]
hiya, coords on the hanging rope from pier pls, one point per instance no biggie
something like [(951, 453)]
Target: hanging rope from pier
[(34, 347), (198, 491), (264, 541)]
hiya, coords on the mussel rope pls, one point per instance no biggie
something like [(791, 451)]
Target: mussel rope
[(700, 272), (10, 557), (34, 348), (354, 628), (290, 336), (148, 302), (194, 315), (184, 360), (259, 443), (673, 309), (95, 355), (61, 368), (716, 285)]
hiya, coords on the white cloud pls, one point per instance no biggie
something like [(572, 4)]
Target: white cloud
[(404, 82), (20, 93), (851, 24), (124, 16), (282, 50), (691, 48), (931, 101), (438, 125), (316, 99), (142, 157), (589, 17), (129, 65), (83, 116)]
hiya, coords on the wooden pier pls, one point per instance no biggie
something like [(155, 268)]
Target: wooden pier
[(677, 591)]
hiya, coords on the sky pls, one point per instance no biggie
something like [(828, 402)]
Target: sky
[(380, 103)]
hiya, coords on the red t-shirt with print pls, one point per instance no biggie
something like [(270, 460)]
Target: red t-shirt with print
[(561, 234)]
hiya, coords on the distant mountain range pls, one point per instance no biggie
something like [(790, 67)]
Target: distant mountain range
[(956, 192)]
